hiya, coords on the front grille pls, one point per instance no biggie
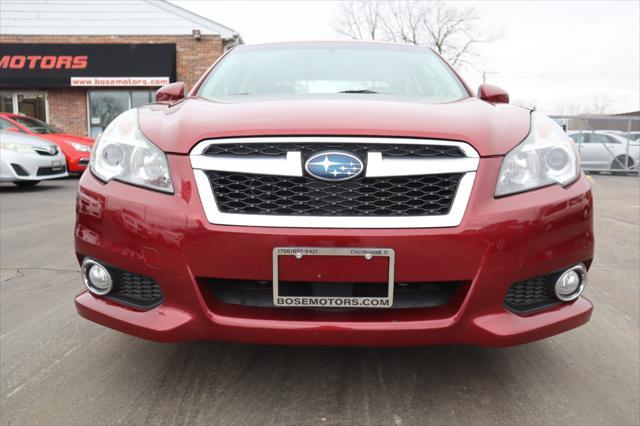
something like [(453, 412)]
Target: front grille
[(305, 196), (46, 152), (47, 171), (407, 182), (532, 294), (260, 293), (275, 149), (135, 290)]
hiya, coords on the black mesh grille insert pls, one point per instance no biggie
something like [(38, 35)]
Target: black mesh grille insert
[(135, 290), (46, 171), (304, 196), (310, 148), (532, 294), (260, 293)]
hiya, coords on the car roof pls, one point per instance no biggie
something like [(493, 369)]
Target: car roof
[(11, 115), (615, 132), (333, 44), (24, 138)]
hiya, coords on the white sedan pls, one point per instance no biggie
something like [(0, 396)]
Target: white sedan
[(26, 160), (606, 150)]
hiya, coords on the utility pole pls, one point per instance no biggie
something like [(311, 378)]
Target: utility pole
[(485, 73)]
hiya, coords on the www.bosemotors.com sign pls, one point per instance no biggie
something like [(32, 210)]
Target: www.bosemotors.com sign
[(87, 65)]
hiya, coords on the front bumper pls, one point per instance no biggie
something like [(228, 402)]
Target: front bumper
[(499, 242), (78, 163), (18, 166)]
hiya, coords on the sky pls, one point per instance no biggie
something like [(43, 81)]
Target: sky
[(560, 56)]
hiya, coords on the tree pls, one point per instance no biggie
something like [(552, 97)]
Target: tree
[(360, 20), (599, 104), (569, 107), (451, 30)]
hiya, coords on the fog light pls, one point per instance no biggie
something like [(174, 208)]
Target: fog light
[(571, 283), (96, 277)]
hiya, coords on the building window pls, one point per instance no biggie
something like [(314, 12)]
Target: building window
[(6, 102), (33, 104), (105, 105)]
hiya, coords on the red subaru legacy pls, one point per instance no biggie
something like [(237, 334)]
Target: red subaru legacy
[(76, 149), (335, 194)]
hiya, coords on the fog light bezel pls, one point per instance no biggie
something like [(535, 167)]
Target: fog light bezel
[(581, 269), (87, 264)]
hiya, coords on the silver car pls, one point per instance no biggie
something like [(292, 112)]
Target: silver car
[(26, 160), (602, 150)]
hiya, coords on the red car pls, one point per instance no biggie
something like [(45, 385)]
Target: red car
[(76, 149), (335, 194)]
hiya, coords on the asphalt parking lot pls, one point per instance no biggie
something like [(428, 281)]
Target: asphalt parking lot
[(57, 368)]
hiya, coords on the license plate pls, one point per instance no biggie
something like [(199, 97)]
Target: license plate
[(56, 164), (333, 302)]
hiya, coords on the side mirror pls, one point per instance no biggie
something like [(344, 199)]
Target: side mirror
[(493, 94), (171, 92), (13, 129)]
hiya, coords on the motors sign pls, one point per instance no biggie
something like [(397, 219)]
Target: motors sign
[(86, 65)]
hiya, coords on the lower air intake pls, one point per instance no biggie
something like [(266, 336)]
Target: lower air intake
[(532, 294), (137, 291)]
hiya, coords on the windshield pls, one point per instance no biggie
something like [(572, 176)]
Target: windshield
[(36, 126), (323, 70)]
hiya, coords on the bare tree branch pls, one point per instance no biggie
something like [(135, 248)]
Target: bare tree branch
[(359, 20), (451, 30), (599, 104)]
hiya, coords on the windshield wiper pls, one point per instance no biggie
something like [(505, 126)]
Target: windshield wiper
[(359, 91)]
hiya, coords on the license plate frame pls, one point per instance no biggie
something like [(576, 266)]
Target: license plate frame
[(333, 302), (56, 164)]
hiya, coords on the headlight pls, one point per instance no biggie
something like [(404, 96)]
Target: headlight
[(547, 156), (80, 147), (16, 147), (124, 154)]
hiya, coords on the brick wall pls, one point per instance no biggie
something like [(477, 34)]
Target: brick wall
[(68, 110), (68, 107)]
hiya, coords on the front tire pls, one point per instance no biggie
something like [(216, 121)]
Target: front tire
[(619, 164), (27, 183)]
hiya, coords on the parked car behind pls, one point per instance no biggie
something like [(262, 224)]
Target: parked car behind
[(26, 160), (632, 136), (606, 150), (76, 149)]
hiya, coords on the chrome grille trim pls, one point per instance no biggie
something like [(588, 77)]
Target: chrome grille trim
[(288, 166), (377, 166)]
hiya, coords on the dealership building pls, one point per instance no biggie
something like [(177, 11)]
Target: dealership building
[(78, 64)]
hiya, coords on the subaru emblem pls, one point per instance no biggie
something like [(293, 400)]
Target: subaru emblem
[(334, 166)]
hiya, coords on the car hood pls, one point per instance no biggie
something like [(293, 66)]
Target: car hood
[(34, 141), (65, 137), (493, 129)]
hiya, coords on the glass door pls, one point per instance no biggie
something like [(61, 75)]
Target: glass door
[(32, 105), (103, 108), (6, 102)]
